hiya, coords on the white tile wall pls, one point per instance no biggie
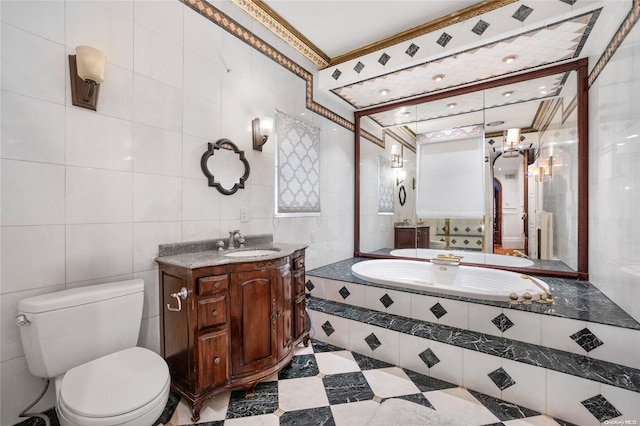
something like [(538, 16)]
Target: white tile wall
[(87, 196), (614, 223)]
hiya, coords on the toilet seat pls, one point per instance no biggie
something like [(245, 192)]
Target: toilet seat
[(125, 386)]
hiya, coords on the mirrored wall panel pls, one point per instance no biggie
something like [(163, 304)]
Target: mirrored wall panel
[(490, 174)]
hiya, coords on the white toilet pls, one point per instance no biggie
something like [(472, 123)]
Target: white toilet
[(85, 338)]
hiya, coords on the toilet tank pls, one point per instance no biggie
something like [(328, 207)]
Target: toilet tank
[(71, 327)]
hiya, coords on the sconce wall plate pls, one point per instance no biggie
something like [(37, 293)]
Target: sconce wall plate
[(259, 139), (224, 144), (83, 94)]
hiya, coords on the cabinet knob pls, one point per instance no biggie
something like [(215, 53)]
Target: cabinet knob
[(217, 285), (217, 360), (214, 313)]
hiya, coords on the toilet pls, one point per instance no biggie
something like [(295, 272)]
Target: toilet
[(85, 338)]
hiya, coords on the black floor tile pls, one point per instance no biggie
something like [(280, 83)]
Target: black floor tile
[(418, 398), (303, 366), (347, 387), (321, 416), (264, 401), (167, 413), (319, 346), (426, 383), (37, 421), (502, 409), (368, 363)]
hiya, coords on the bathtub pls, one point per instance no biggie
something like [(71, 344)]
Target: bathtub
[(467, 257), (464, 281)]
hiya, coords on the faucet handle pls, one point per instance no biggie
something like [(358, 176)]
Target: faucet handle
[(220, 245)]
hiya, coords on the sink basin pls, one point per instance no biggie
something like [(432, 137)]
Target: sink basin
[(251, 253)]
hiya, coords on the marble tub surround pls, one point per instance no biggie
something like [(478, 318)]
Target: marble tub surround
[(199, 254), (572, 299), (569, 363), (573, 387)]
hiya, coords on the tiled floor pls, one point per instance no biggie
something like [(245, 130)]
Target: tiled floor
[(330, 386)]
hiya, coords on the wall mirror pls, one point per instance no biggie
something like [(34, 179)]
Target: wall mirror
[(225, 166), (529, 184)]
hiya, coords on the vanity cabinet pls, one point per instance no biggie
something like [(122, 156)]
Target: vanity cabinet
[(411, 237), (237, 325)]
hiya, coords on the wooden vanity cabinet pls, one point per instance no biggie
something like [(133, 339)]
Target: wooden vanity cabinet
[(411, 237), (238, 324)]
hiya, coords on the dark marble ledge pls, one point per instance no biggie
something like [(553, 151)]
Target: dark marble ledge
[(552, 359), (574, 299), (209, 245)]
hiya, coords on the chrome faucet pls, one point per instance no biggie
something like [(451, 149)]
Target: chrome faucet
[(233, 235)]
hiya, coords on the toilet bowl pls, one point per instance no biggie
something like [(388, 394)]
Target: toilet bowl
[(85, 338), (129, 387)]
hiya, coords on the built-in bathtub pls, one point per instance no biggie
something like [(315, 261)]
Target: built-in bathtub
[(467, 257), (463, 281)]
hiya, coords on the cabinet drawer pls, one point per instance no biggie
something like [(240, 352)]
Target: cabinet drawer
[(213, 359), (212, 312), (213, 284)]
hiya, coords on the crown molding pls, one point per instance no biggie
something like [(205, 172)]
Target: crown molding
[(268, 17)]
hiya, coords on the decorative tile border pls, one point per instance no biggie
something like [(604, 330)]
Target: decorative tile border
[(624, 29)]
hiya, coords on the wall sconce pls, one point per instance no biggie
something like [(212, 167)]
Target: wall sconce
[(261, 129), (396, 156), (511, 143), (544, 173), (400, 175), (86, 70)]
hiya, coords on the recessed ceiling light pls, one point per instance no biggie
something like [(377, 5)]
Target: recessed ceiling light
[(542, 87), (509, 59), (383, 92), (507, 94), (437, 77), (495, 123), (452, 105)]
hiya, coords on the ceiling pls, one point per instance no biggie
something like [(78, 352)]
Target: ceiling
[(371, 53)]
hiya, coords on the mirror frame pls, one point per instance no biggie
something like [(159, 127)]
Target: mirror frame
[(581, 68), (228, 145)]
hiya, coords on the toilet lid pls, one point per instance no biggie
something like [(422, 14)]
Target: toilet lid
[(114, 384)]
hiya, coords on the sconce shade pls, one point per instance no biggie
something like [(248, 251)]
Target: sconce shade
[(91, 63), (511, 143), (261, 129), (86, 71)]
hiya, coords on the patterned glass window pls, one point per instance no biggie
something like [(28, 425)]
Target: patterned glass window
[(385, 186), (297, 166)]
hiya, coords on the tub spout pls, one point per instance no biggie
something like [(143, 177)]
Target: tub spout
[(545, 296), (446, 259)]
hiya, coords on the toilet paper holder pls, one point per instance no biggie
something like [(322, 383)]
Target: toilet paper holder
[(182, 294)]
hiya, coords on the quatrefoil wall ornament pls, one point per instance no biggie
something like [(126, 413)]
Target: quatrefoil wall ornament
[(229, 175)]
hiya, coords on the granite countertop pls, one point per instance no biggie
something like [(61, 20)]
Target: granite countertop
[(201, 254), (415, 225)]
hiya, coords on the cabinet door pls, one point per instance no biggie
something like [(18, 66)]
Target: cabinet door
[(213, 359), (285, 308), (254, 320), (176, 332), (405, 238), (423, 237)]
